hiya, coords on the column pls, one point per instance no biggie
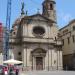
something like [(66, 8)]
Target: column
[(43, 63), (60, 60), (46, 61), (54, 59), (29, 57), (11, 54), (57, 59), (50, 59), (24, 57), (34, 63), (25, 33)]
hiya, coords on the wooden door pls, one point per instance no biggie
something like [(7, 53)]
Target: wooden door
[(39, 63)]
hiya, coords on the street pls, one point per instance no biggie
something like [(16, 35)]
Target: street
[(48, 73)]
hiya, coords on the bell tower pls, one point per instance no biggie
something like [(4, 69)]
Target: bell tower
[(49, 10)]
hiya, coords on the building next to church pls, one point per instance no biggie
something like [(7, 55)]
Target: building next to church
[(67, 34), (34, 39)]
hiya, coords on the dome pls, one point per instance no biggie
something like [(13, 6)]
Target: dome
[(17, 21)]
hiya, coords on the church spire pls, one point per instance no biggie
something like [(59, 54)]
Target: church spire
[(49, 10), (22, 9)]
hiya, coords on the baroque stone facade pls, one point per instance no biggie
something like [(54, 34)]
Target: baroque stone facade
[(34, 40)]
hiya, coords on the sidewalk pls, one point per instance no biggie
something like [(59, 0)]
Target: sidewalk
[(48, 73)]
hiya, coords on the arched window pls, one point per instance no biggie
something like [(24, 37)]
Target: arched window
[(51, 6)]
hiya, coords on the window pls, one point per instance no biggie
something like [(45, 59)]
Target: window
[(73, 37), (68, 40), (19, 53), (55, 38), (14, 33), (63, 42), (38, 31), (65, 31), (51, 6), (73, 27)]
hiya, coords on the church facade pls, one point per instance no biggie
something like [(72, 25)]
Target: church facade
[(34, 40)]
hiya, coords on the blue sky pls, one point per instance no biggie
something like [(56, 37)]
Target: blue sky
[(65, 10)]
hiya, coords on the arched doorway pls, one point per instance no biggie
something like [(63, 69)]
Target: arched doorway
[(39, 55)]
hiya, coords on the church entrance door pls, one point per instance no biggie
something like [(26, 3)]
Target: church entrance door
[(39, 63)]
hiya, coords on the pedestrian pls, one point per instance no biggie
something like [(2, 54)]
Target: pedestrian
[(17, 71)]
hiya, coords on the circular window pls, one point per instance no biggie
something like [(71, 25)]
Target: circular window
[(14, 33), (19, 53), (38, 31)]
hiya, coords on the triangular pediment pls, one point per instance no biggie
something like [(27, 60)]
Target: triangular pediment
[(38, 17)]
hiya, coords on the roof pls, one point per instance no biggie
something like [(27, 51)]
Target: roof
[(30, 17), (18, 20), (49, 1)]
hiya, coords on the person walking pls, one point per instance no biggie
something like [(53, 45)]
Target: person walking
[(17, 71)]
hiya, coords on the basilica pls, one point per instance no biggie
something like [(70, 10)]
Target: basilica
[(34, 39)]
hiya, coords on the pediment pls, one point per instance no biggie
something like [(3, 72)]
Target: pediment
[(38, 17)]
